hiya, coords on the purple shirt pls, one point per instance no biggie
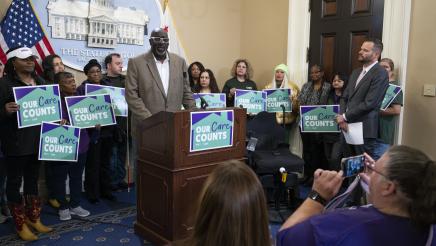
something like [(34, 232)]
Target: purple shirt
[(84, 137), (354, 226)]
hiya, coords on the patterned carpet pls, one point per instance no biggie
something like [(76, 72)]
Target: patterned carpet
[(110, 223)]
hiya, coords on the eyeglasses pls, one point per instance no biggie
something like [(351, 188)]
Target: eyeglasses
[(369, 168), (160, 39)]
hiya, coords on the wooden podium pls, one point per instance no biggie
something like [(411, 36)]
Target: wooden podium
[(170, 177)]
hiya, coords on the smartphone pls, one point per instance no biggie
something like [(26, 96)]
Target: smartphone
[(352, 166)]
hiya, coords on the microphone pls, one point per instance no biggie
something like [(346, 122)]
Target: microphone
[(284, 174), (203, 102)]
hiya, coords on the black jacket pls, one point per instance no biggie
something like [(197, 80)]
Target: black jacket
[(14, 141)]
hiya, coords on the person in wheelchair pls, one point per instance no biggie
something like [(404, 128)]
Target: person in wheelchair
[(402, 209), (281, 81)]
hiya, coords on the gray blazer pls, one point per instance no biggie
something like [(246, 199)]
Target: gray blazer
[(362, 103), (145, 94)]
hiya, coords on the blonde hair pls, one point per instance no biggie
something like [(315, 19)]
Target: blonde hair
[(248, 74)]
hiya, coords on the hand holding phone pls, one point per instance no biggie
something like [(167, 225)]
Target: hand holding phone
[(352, 166)]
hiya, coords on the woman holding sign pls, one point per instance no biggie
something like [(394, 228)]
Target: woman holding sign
[(74, 170), (332, 145), (241, 72), (280, 81), (20, 146), (52, 64), (97, 168), (314, 92), (207, 83), (388, 117)]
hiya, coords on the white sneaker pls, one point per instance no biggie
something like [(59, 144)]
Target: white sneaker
[(79, 211), (64, 214)]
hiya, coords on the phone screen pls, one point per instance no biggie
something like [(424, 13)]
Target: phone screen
[(352, 166)]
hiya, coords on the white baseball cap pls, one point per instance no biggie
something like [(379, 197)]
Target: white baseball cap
[(21, 53)]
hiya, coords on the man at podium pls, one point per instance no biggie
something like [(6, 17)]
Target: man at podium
[(156, 81)]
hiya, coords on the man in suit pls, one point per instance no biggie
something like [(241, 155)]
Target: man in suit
[(363, 96), (156, 81)]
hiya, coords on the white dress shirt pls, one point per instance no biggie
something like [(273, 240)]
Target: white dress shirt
[(364, 72), (164, 72)]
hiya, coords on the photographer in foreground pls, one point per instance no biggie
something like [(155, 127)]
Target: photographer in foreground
[(402, 193)]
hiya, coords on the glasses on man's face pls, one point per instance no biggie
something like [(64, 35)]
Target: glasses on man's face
[(370, 168), (160, 39)]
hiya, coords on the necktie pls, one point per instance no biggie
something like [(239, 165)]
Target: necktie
[(362, 74)]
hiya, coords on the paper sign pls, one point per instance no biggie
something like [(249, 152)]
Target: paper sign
[(214, 100), (319, 118), (391, 93), (37, 104), (211, 130), (275, 98), (253, 101), (58, 143), (118, 97), (88, 111), (354, 135)]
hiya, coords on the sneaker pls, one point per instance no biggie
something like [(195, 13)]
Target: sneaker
[(79, 211), (64, 214)]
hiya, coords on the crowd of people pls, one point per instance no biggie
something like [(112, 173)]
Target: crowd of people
[(232, 208), (102, 150)]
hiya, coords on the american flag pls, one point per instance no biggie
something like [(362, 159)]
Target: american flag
[(21, 27)]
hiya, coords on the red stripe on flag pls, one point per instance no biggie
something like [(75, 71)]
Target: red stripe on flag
[(38, 68), (41, 56), (48, 45), (41, 53), (3, 57)]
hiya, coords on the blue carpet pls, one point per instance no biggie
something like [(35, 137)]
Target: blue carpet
[(110, 223)]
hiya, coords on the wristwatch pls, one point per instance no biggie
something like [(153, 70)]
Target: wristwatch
[(317, 197)]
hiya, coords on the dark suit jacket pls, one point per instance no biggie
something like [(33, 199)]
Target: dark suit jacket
[(362, 103), (145, 94)]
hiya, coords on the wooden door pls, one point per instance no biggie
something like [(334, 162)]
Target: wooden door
[(338, 28)]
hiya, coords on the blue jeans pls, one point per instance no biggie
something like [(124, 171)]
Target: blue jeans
[(118, 162), (74, 170), (380, 149)]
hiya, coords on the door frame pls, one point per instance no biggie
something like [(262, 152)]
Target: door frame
[(396, 28)]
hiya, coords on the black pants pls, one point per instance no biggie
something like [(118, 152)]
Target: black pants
[(313, 153), (19, 168), (333, 153), (49, 183), (74, 170), (97, 168)]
